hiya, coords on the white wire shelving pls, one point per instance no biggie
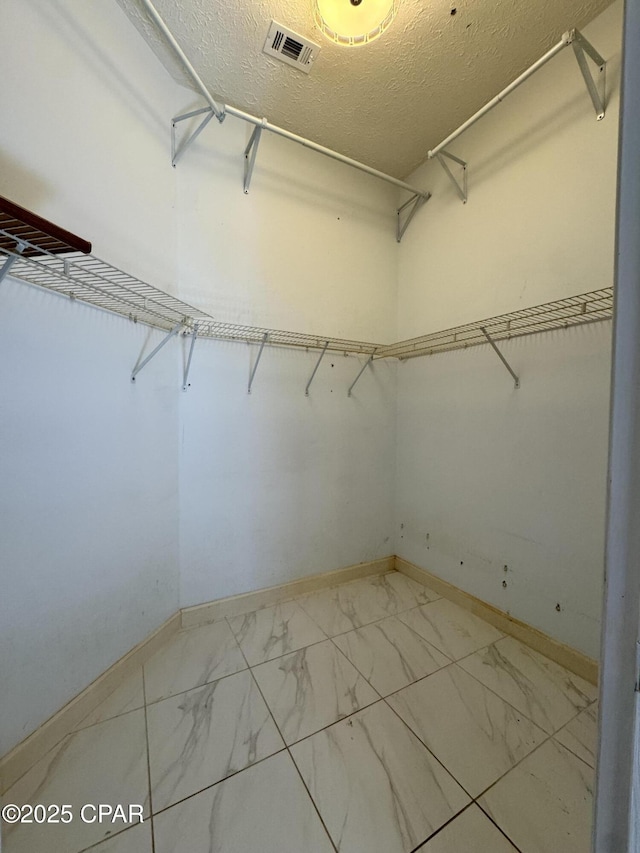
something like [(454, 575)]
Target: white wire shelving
[(91, 280), (560, 314), (95, 282)]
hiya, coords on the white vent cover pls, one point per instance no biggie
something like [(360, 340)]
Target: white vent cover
[(290, 47)]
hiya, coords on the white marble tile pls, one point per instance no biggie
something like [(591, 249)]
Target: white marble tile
[(542, 690), (105, 763), (343, 608), (470, 832), (375, 785), (135, 840), (274, 631), (312, 688), (544, 804), (352, 605), (452, 629), (474, 733), (581, 734), (204, 735), (264, 809), (192, 658), (129, 696), (389, 654), (397, 592)]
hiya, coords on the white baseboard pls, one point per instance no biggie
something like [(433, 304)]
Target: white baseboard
[(23, 756), (566, 656), (235, 605)]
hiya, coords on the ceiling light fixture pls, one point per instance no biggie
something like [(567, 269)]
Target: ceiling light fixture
[(354, 22)]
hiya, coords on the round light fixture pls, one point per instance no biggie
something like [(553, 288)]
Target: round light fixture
[(354, 22)]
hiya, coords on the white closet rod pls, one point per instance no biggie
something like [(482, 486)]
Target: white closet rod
[(221, 111), (566, 40)]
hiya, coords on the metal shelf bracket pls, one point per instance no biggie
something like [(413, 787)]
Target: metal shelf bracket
[(11, 259), (500, 356), (178, 150), (407, 211), (315, 369), (460, 187), (185, 379), (157, 349), (595, 86), (250, 153), (255, 366), (360, 372)]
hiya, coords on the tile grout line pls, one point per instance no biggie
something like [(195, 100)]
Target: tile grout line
[(286, 745), (297, 597), (291, 652), (562, 746), (484, 791), (383, 699), (444, 825), (475, 799), (432, 754), (215, 784), (497, 826), (531, 720), (362, 675), (374, 621), (294, 598), (535, 749), (313, 802), (548, 737), (106, 719), (146, 730), (572, 751), (190, 689), (418, 634), (235, 772), (380, 697)]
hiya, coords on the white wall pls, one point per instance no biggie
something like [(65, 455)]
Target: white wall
[(89, 482), (89, 499), (272, 486), (539, 223), (85, 139), (498, 476), (97, 473), (276, 485), (310, 248)]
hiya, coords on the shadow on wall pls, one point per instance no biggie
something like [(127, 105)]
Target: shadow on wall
[(22, 186), (213, 158), (86, 44), (311, 247), (542, 127)]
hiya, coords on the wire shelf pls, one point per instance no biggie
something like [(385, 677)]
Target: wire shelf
[(31, 234), (97, 283), (573, 311), (90, 280)]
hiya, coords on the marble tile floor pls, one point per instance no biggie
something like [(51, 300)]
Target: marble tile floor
[(373, 717)]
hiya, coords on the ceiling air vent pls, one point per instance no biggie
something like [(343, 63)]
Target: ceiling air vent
[(290, 47)]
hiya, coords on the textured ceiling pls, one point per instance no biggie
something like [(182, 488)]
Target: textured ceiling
[(385, 103)]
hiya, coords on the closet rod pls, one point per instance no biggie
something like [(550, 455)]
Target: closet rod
[(566, 40), (218, 111), (225, 109)]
